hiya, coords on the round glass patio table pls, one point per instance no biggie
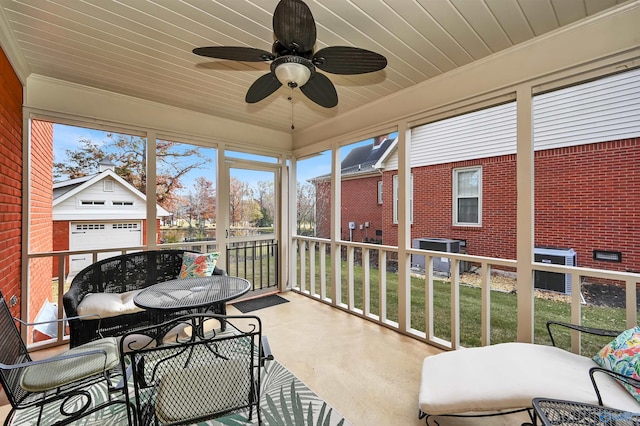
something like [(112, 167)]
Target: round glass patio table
[(198, 293)]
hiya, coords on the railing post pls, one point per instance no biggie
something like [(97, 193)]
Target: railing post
[(382, 284), (366, 277), (312, 268), (323, 271), (485, 289)]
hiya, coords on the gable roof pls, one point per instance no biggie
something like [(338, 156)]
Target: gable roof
[(64, 190), (363, 159)]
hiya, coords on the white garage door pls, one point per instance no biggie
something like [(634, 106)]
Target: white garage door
[(100, 235)]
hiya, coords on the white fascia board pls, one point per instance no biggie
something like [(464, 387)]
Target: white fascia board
[(85, 216), (392, 147), (100, 176), (160, 212)]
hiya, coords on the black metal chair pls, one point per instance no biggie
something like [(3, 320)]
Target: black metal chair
[(60, 383), (188, 370), (120, 274)]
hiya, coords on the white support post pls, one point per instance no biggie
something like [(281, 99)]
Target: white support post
[(525, 213), (404, 227), (152, 214), (336, 267)]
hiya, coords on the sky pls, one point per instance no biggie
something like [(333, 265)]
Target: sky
[(68, 137)]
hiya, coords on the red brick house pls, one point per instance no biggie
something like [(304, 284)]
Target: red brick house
[(361, 183), (587, 178)]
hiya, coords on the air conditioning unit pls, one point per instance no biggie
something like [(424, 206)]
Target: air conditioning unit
[(554, 281), (440, 264)]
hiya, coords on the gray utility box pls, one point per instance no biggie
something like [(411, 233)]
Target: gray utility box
[(554, 281), (440, 264)]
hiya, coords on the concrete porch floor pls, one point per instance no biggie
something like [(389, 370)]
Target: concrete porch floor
[(368, 373)]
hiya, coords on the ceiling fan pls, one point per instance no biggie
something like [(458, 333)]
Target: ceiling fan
[(294, 63)]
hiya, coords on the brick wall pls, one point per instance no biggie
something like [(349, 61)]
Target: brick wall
[(360, 205), (586, 198), (41, 216), (60, 243), (433, 210), (362, 196), (10, 182)]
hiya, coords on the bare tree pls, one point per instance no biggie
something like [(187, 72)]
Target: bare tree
[(239, 192), (266, 199), (129, 155), (251, 212), (306, 206), (80, 162), (202, 202)]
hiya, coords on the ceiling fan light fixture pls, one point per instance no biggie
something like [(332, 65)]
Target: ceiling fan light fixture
[(293, 59), (292, 71)]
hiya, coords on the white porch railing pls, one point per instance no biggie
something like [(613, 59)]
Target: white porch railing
[(362, 287), (367, 293), (65, 278)]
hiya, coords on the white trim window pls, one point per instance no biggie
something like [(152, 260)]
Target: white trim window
[(379, 192), (395, 199), (467, 196), (92, 202)]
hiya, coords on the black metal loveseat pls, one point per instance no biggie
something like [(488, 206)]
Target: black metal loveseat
[(117, 275)]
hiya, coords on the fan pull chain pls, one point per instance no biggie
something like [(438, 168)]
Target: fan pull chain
[(290, 98)]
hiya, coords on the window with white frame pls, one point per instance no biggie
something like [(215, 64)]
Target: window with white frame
[(379, 192), (395, 198), (92, 202), (467, 196)]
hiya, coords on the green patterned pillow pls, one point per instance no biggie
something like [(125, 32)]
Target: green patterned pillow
[(198, 264), (622, 355)]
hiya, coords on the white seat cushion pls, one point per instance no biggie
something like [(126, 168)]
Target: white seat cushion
[(50, 375), (508, 376), (108, 304)]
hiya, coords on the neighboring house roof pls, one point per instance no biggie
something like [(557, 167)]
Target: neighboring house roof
[(385, 155), (362, 160), (63, 191), (61, 188)]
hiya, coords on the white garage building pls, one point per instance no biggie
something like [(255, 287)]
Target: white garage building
[(98, 212)]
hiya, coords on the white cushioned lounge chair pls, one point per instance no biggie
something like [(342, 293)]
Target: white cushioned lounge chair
[(504, 378)]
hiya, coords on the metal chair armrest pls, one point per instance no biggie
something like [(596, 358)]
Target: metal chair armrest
[(621, 377), (77, 317), (30, 324), (580, 328), (54, 359)]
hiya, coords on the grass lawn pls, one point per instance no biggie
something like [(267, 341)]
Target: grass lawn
[(503, 311)]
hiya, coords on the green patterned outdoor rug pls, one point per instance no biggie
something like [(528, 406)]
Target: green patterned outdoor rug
[(285, 400)]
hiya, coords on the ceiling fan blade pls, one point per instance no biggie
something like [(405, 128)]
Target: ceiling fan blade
[(348, 60), (232, 53), (261, 88), (321, 91), (294, 26)]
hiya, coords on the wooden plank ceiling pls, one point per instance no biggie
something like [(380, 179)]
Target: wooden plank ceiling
[(143, 48)]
